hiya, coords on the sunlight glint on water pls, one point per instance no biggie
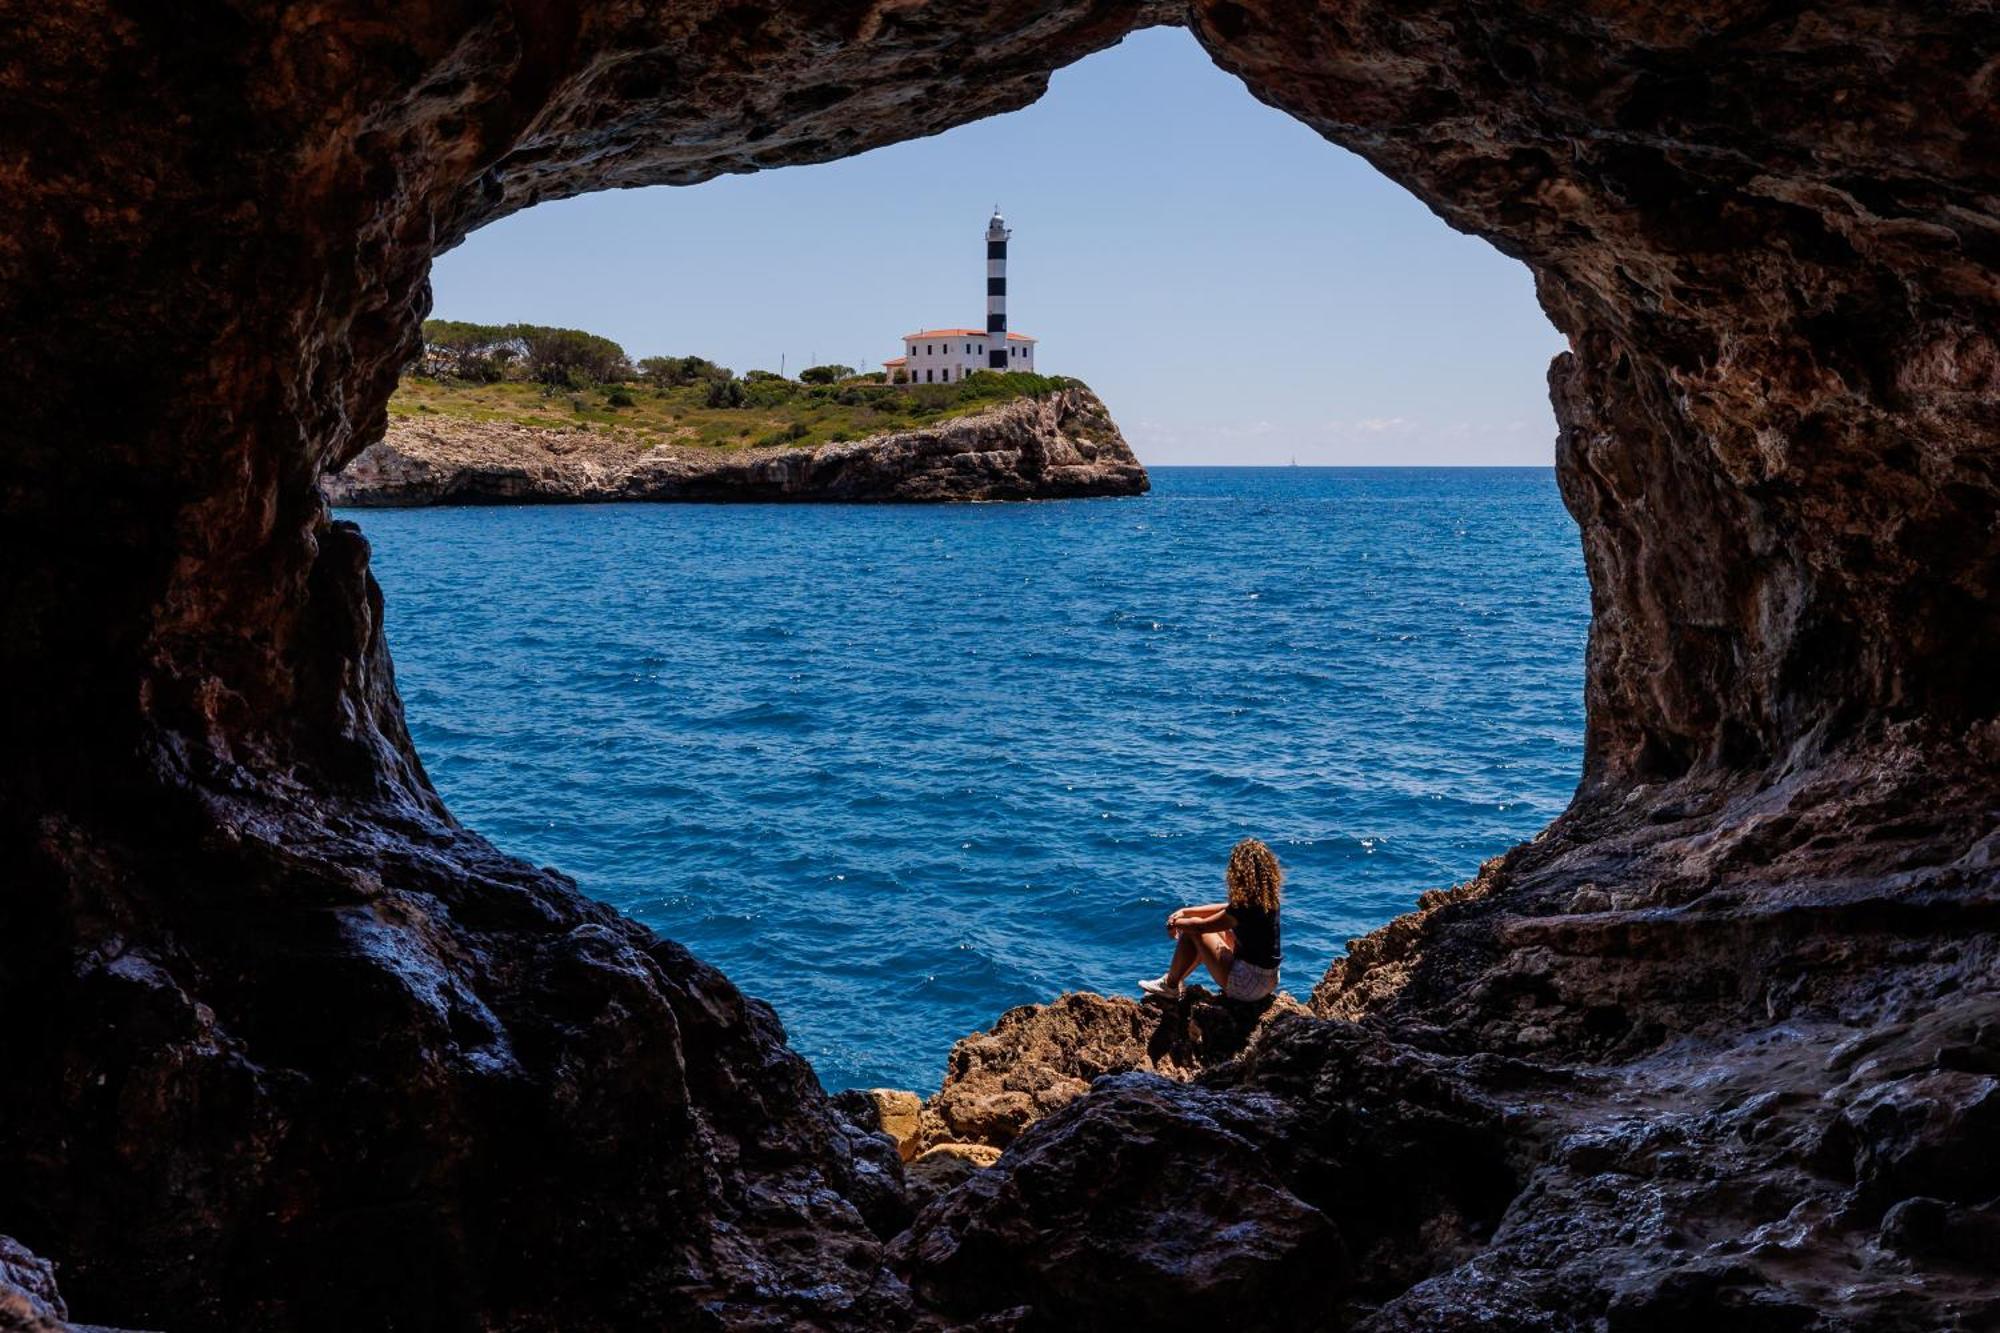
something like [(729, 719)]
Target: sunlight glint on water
[(896, 769)]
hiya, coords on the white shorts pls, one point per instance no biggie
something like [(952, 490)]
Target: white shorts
[(1248, 982)]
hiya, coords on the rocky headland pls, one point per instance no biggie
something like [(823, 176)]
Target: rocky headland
[(1057, 445), (286, 1047)]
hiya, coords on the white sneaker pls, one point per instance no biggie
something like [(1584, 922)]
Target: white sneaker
[(1158, 989)]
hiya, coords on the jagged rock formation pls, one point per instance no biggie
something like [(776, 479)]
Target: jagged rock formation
[(1716, 1050), (1062, 446), (1328, 1169), (1040, 1057), (895, 1112), (1037, 1059), (29, 1301)]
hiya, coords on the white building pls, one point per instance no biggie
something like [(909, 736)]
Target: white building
[(945, 356)]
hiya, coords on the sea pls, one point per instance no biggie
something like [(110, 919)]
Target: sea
[(896, 769)]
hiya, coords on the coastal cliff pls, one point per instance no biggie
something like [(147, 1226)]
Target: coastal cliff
[(1058, 445)]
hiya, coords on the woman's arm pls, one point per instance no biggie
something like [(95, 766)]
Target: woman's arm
[(1205, 918)]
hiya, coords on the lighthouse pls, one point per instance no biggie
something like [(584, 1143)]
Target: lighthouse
[(996, 292), (948, 355)]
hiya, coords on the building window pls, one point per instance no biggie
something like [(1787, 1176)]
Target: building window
[(929, 375)]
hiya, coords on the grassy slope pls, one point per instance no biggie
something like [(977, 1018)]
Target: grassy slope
[(774, 413)]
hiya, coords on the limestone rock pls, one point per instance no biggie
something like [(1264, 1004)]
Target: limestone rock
[(975, 1156), (1061, 446), (1324, 1168), (892, 1111), (945, 1167), (1039, 1057), (29, 1301)]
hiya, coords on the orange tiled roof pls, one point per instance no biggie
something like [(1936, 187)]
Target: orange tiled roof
[(962, 333)]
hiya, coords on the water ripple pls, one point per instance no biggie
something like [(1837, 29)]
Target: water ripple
[(897, 769)]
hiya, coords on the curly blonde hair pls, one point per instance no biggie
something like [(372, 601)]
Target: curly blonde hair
[(1254, 877)]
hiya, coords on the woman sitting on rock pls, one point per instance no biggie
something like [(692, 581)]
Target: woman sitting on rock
[(1238, 940)]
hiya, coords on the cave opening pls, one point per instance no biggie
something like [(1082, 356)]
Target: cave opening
[(865, 791)]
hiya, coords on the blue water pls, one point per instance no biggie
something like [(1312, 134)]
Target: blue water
[(897, 769)]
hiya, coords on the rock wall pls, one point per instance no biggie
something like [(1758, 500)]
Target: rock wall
[(309, 1054), (1062, 446), (29, 1301)]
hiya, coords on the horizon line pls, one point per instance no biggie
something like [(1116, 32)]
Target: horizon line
[(1351, 467)]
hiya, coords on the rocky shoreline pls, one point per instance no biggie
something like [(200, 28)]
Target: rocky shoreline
[(1062, 445), (1038, 1058)]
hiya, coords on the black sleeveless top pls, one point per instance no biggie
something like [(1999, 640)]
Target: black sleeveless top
[(1256, 935)]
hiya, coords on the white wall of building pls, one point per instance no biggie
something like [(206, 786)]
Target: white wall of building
[(946, 356)]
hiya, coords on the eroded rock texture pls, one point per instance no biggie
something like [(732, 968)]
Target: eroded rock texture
[(1715, 1051), (1040, 1057), (29, 1301), (1061, 446)]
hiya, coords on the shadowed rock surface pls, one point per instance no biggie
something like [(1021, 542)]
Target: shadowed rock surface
[(29, 1301), (1063, 446), (1328, 1168), (1040, 1057), (1037, 1059), (1716, 1050)]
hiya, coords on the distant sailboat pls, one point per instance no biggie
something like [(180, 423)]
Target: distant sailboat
[(1295, 460)]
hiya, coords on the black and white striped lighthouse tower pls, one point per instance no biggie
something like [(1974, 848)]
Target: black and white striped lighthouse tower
[(996, 291)]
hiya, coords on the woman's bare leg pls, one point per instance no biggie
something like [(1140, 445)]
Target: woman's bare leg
[(1216, 950)]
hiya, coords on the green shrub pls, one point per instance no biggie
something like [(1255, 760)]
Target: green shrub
[(459, 335), (798, 430), (483, 368), (768, 393), (619, 398), (724, 393), (558, 357), (762, 377), (826, 374), (673, 372)]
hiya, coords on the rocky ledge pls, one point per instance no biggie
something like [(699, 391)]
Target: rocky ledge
[(1062, 445), (1038, 1058)]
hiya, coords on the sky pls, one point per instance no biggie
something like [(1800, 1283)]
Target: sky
[(1236, 289)]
